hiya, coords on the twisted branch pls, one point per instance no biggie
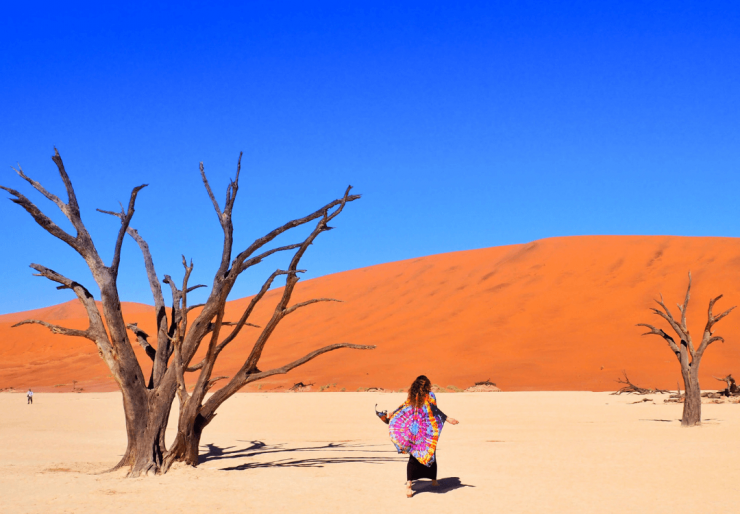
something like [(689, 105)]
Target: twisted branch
[(308, 302), (659, 332), (56, 329), (142, 338), (298, 362)]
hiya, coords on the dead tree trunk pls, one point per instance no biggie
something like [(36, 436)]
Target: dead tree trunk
[(688, 357), (147, 402)]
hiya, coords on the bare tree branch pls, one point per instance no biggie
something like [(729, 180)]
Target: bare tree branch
[(42, 219), (715, 338), (142, 338), (723, 314), (309, 302), (629, 387), (248, 311), (284, 369), (194, 307), (148, 261), (71, 209), (712, 320), (232, 189), (210, 192), (198, 366), (686, 335), (176, 301), (669, 318), (290, 283), (249, 368), (125, 221), (259, 243), (225, 278), (163, 340), (220, 346), (183, 326), (203, 383), (82, 243), (659, 332), (96, 328), (258, 258), (212, 381), (250, 365), (685, 307), (41, 189), (74, 208), (225, 221), (118, 215), (179, 371), (58, 278), (56, 329)]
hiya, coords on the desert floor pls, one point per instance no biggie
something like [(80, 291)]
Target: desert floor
[(521, 452)]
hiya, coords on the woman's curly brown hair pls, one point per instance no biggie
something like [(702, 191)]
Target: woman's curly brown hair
[(419, 390)]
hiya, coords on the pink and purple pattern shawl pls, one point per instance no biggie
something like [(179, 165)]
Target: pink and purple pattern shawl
[(416, 430)]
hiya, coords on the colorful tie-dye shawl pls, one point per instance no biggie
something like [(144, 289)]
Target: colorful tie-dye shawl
[(416, 430)]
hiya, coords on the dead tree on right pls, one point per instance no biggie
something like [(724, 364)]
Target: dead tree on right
[(732, 388), (689, 357)]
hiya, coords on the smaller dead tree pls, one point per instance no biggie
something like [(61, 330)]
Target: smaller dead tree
[(677, 397), (486, 382), (485, 386), (630, 388), (300, 386), (689, 357), (732, 389)]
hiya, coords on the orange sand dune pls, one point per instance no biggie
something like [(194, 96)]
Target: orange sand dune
[(30, 356), (555, 314), (68, 310)]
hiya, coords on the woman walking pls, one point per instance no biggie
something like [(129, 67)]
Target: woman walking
[(415, 428)]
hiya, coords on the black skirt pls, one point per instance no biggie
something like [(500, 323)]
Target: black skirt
[(416, 470)]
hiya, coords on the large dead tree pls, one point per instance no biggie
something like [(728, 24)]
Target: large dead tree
[(147, 401), (689, 357)]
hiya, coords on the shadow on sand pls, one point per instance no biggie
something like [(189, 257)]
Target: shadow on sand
[(445, 486), (339, 453)]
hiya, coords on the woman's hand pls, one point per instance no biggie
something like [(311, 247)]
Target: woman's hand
[(452, 421)]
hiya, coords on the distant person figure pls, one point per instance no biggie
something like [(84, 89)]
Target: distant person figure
[(29, 395), (415, 428)]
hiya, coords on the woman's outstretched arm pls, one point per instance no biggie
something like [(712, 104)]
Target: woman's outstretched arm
[(445, 417)]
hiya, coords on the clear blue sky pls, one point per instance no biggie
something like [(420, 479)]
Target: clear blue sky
[(464, 125)]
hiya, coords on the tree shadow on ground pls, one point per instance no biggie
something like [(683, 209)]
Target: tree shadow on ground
[(445, 486), (341, 453)]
